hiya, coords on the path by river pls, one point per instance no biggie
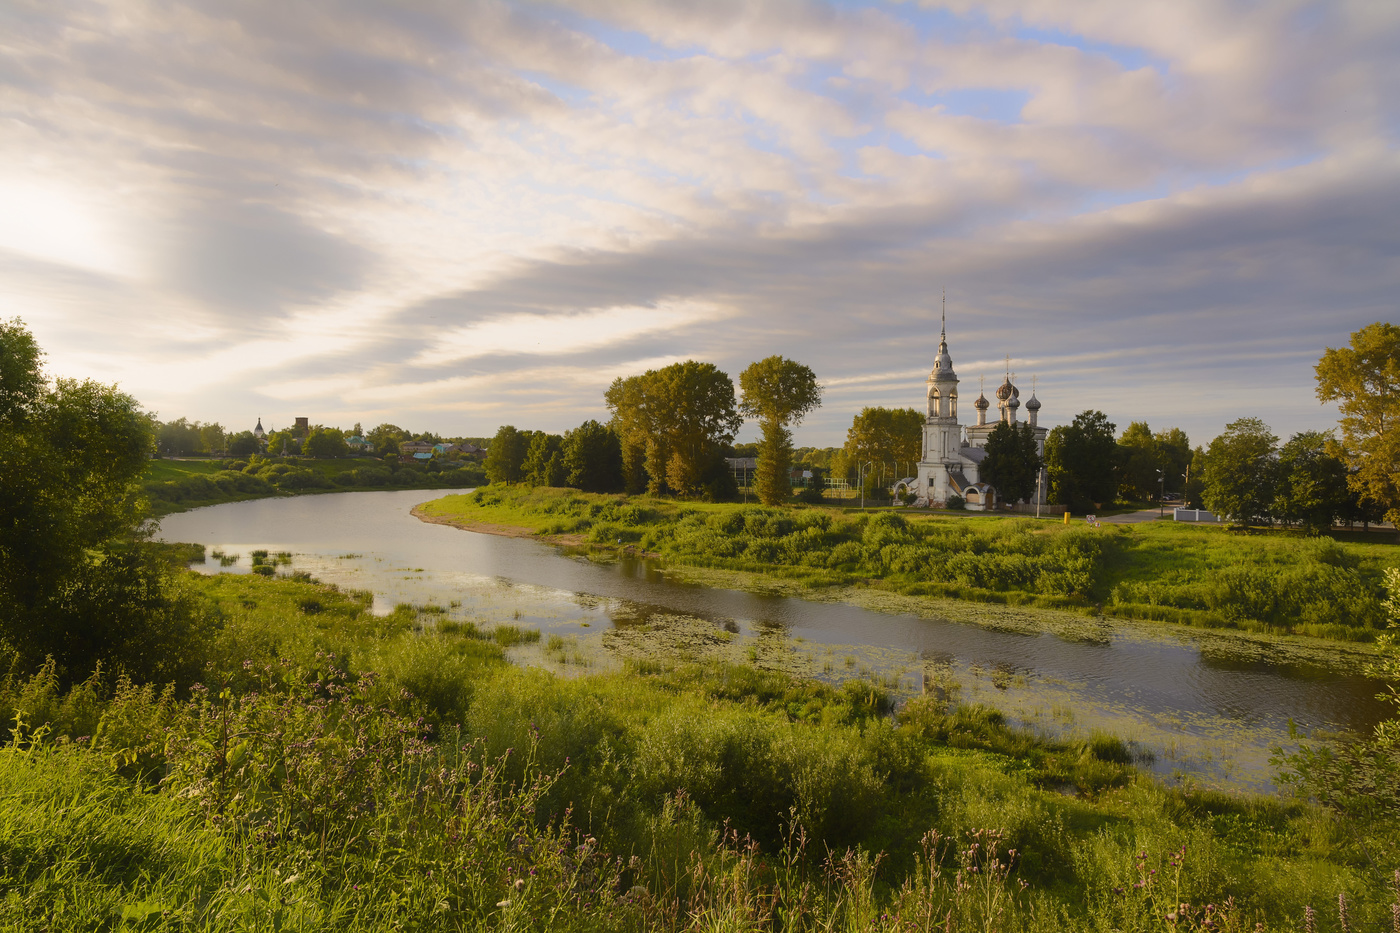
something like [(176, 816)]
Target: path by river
[(1201, 710)]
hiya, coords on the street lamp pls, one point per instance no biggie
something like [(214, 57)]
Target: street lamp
[(860, 477), (1161, 493)]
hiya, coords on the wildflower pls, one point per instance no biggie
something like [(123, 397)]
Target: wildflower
[(504, 903), (519, 883)]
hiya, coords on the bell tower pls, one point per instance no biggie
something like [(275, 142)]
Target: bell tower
[(942, 433)]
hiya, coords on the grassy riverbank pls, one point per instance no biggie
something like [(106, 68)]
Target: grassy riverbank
[(1274, 584), (180, 485), (347, 771)]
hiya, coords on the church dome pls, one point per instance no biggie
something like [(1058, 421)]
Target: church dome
[(981, 404), (1033, 404), (1006, 390), (1013, 403)]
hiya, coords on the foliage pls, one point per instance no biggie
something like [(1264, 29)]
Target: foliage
[(1167, 571), (505, 458), (243, 444), (1364, 381), (180, 438), (73, 584), (376, 778), (885, 435), (1081, 461), (779, 393), (673, 421), (544, 461), (1012, 461), (1312, 487), (1139, 463), (815, 490), (1241, 472), (593, 458), (386, 438), (324, 443)]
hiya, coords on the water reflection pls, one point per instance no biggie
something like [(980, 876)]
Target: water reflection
[(1212, 714)]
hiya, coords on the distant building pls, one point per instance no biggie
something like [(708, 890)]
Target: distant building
[(359, 445), (952, 462), (416, 447)]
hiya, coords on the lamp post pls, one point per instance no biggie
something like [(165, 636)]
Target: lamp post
[(1161, 493), (860, 478)]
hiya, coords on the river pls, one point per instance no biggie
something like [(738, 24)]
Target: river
[(1201, 713)]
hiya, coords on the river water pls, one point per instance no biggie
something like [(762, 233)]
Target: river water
[(1202, 713)]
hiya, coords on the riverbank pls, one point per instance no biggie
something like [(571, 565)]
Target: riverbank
[(353, 771), (172, 486), (1269, 590)]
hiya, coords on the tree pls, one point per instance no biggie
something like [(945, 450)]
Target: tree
[(1312, 484), (1364, 380), (884, 435), (1195, 483), (243, 444), (1174, 457), (386, 438), (211, 437), (1241, 472), (76, 581), (506, 455), (673, 420), (1139, 462), (324, 443), (1011, 462), (779, 393), (593, 458), (1081, 460), (544, 460)]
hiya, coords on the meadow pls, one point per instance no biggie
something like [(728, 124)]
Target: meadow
[(334, 769), (1268, 583), (178, 485)]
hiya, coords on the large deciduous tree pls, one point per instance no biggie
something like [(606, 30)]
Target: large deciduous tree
[(593, 458), (1364, 381), (324, 443), (1312, 483), (76, 583), (1081, 459), (544, 460), (1011, 462), (885, 435), (1241, 472), (673, 421), (505, 458), (1139, 463), (779, 393)]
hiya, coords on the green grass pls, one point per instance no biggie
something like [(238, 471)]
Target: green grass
[(1270, 584), (179, 485), (350, 771)]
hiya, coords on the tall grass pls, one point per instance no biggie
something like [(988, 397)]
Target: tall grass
[(339, 770), (1279, 584)]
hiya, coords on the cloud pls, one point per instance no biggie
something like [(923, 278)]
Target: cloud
[(1170, 208)]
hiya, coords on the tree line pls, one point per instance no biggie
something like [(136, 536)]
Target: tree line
[(670, 432)]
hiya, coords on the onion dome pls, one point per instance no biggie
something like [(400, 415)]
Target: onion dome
[(1013, 403), (258, 431), (1006, 390), (981, 404), (1033, 404)]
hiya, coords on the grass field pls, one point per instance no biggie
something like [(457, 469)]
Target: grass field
[(1271, 583), (343, 771), (178, 485)]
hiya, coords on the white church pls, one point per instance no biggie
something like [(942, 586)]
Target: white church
[(953, 454)]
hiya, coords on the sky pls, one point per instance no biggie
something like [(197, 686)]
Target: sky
[(458, 214)]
